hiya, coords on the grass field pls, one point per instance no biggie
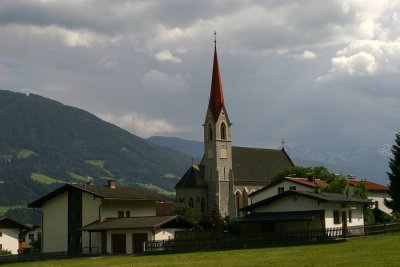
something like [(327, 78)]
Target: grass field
[(370, 251), (41, 178)]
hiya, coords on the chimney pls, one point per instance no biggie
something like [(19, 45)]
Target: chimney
[(89, 180), (111, 183)]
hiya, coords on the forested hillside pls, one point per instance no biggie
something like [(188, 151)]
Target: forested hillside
[(44, 143)]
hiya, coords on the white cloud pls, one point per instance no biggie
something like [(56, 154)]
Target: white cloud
[(142, 125), (72, 38), (365, 58), (156, 80), (166, 55), (306, 55)]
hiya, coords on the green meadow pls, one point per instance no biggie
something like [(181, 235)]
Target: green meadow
[(382, 250)]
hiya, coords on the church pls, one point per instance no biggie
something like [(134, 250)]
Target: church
[(226, 174)]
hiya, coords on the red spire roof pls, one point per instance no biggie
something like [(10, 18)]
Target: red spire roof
[(216, 95)]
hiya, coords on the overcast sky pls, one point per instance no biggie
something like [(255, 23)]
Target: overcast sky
[(309, 72)]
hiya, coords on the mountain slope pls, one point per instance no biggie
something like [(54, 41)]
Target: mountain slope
[(44, 143)]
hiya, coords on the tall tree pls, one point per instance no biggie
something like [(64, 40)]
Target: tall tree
[(394, 176)]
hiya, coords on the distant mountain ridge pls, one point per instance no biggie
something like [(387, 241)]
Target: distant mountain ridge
[(364, 162), (44, 143)]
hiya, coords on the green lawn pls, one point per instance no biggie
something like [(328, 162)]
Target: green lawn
[(380, 250)]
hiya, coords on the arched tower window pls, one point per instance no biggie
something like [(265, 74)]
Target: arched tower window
[(223, 131), (210, 132), (191, 202)]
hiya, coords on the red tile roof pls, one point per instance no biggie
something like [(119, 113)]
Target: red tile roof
[(370, 185), (216, 95), (306, 182), (352, 182)]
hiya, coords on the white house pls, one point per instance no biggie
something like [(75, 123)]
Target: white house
[(376, 193), (294, 210), (9, 234), (102, 219)]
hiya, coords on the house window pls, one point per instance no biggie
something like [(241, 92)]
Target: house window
[(120, 214), (191, 202), (1, 246), (31, 236), (202, 205), (350, 216), (281, 190), (1, 234), (293, 188), (336, 217), (223, 131), (376, 205), (127, 214)]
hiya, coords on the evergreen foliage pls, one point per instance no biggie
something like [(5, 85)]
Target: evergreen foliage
[(394, 176)]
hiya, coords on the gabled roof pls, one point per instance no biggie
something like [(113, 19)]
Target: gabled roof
[(321, 197), (306, 182), (216, 95), (122, 193), (258, 164), (250, 165), (192, 178), (6, 222), (303, 181), (281, 216), (149, 222), (370, 185)]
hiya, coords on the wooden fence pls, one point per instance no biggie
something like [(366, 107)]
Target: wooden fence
[(374, 229), (244, 241)]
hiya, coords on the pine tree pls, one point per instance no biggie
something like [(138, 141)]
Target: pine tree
[(394, 176)]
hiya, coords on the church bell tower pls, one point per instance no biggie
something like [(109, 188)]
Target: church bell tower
[(218, 148)]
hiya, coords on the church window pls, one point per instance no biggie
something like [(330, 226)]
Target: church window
[(293, 188), (203, 205), (245, 198), (210, 132), (191, 202), (223, 131), (238, 203)]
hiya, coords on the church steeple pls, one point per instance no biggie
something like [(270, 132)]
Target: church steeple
[(216, 95), (217, 160)]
